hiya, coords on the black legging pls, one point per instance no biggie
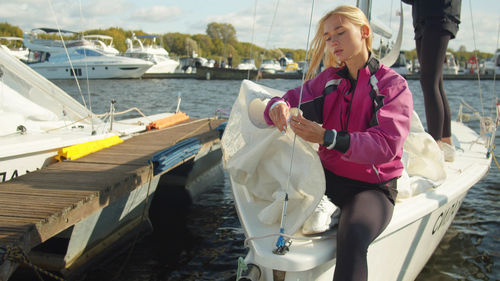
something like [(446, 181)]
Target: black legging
[(365, 213), (431, 52)]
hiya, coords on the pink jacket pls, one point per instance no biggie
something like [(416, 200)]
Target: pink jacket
[(369, 146)]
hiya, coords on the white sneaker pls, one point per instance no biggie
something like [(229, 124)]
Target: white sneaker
[(448, 151), (321, 218)]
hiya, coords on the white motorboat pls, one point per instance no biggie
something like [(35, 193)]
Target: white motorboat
[(14, 45), (450, 65), (85, 62), (83, 58), (247, 64), (151, 52), (423, 212), (270, 66), (492, 65)]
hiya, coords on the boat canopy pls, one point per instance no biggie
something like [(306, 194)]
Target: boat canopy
[(148, 36), (53, 30)]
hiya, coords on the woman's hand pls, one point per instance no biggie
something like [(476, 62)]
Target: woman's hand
[(306, 129), (279, 115)]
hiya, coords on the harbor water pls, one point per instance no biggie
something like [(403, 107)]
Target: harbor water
[(206, 239)]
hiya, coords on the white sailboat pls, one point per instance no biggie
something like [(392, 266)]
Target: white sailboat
[(258, 159), (424, 210), (38, 119)]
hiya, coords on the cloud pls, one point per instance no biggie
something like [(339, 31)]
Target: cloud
[(157, 14)]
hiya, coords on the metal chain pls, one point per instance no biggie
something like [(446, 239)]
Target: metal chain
[(17, 255)]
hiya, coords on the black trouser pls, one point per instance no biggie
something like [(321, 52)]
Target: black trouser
[(431, 52), (366, 210)]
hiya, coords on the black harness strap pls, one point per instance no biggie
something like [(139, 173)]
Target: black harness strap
[(377, 100)]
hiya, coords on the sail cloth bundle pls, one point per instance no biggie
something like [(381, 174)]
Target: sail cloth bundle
[(258, 158), (423, 162)]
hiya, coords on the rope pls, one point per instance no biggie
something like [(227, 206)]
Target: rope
[(494, 157), (143, 215), (191, 133), (102, 116), (86, 66), (475, 53), (281, 244), (67, 54), (272, 24), (253, 32), (16, 254)]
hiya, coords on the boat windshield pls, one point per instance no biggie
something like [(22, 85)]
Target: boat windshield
[(88, 53), (250, 61)]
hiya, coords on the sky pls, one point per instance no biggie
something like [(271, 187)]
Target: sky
[(266, 23)]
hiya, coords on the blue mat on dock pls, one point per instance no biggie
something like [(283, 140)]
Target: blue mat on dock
[(169, 157)]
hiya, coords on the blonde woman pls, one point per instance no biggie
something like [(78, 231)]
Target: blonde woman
[(358, 111)]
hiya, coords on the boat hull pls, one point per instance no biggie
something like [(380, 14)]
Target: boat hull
[(94, 71)]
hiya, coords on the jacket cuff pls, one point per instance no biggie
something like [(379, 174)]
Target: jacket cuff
[(268, 108)]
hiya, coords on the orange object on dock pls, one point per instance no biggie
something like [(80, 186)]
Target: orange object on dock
[(168, 121)]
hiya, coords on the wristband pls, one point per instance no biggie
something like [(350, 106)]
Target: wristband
[(329, 139)]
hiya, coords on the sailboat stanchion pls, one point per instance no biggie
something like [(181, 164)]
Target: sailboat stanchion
[(111, 114)]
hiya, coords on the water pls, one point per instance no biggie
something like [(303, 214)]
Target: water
[(212, 240)]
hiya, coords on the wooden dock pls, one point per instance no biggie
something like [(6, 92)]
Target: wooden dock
[(41, 204)]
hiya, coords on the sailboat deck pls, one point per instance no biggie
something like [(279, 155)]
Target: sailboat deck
[(40, 204)]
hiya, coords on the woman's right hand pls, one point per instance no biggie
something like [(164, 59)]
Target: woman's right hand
[(279, 115)]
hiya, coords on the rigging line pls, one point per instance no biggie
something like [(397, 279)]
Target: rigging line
[(283, 213), (475, 52), (67, 54), (272, 23), (253, 32), (86, 67), (496, 63)]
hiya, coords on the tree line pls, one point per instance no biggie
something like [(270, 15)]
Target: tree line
[(217, 43)]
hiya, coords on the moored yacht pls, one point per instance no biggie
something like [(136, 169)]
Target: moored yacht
[(14, 46), (270, 66), (85, 62), (55, 59), (247, 64), (151, 52)]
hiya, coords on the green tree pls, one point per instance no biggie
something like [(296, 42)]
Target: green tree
[(224, 32), (176, 43), (8, 30)]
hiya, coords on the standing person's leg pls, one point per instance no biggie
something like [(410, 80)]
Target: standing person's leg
[(446, 135), (431, 49), (362, 219)]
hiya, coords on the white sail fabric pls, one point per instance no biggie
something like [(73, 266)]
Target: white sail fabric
[(259, 157), (423, 161)]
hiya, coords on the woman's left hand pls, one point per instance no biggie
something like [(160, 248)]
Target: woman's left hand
[(306, 129)]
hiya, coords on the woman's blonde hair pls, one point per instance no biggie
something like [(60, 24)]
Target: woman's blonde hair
[(318, 45)]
